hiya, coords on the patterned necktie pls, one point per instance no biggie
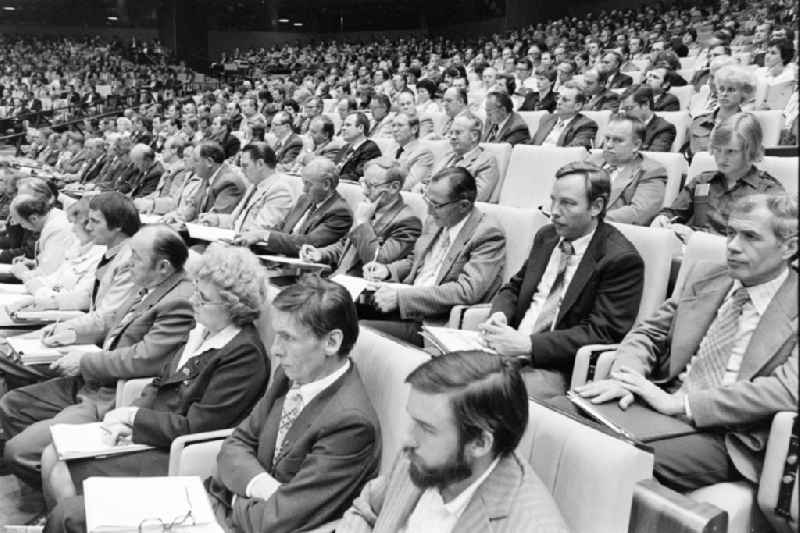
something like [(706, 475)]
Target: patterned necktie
[(98, 273), (399, 152), (127, 318), (491, 133), (708, 368), (549, 311), (292, 406)]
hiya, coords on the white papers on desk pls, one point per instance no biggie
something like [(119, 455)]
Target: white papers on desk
[(127, 504), (208, 233), (292, 261), (149, 218), (79, 441), (32, 352), (7, 299), (355, 286), (5, 268), (454, 340)]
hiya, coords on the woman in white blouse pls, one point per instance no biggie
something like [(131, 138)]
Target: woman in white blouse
[(426, 90), (777, 71)]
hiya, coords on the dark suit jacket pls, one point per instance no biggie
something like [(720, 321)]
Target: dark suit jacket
[(767, 381), (287, 152), (330, 452), (392, 234), (221, 196), (213, 390), (93, 170), (327, 224), (620, 81), (514, 131), (599, 305), (605, 101), (659, 134), (580, 131), (142, 183), (667, 102), (351, 166), (534, 102)]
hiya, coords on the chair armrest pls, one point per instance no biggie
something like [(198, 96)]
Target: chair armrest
[(178, 446), (130, 389), (778, 487), (330, 527), (660, 509), (468, 316), (592, 361)]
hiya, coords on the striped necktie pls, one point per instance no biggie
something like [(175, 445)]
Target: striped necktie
[(549, 313), (292, 407)]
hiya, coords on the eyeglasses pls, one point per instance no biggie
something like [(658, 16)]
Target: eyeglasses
[(435, 205), (369, 186)]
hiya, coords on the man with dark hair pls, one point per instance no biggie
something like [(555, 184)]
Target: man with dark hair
[(148, 173), (313, 441), (580, 285), (321, 130), (287, 143), (454, 102), (598, 98), (658, 80), (358, 149), (136, 339), (468, 413), (39, 216), (638, 182), (380, 107), (609, 66), (458, 259), (567, 126), (414, 158), (659, 134), (503, 125)]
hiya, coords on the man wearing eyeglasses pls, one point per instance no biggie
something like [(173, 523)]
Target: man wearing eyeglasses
[(287, 144), (384, 227), (567, 126), (458, 259)]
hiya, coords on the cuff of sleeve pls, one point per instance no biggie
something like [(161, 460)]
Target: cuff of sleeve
[(687, 409), (262, 478)]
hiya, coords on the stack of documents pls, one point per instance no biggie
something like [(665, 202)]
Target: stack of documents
[(31, 351), (79, 441), (454, 340), (209, 233)]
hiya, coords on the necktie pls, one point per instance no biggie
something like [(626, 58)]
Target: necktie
[(127, 318), (98, 273), (303, 219), (242, 215), (491, 133), (708, 368), (292, 406), (549, 311), (399, 152)]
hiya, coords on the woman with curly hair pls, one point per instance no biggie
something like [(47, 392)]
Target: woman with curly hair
[(210, 383)]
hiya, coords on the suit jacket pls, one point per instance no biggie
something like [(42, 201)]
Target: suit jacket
[(169, 189), (263, 206), (330, 452), (221, 196), (391, 234), (619, 81), (140, 334), (287, 152), (92, 170), (659, 135), (580, 131), (535, 102), (213, 390), (325, 225), (142, 183), (665, 343), (637, 192), (120, 169), (469, 274), (599, 305), (667, 102), (510, 500), (514, 131), (417, 160), (330, 149), (351, 165), (606, 100), (481, 164)]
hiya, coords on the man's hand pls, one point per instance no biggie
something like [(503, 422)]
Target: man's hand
[(21, 270), (115, 433), (661, 221), (505, 340), (250, 237), (682, 231), (374, 271), (364, 212), (56, 335), (663, 402), (208, 219), (605, 390), (143, 205), (386, 298), (310, 254), (120, 415), (68, 365), (23, 303), (263, 486)]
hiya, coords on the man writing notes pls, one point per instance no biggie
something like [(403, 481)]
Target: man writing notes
[(580, 285), (729, 344)]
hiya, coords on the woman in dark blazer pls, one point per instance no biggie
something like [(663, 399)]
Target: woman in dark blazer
[(545, 98), (210, 383)]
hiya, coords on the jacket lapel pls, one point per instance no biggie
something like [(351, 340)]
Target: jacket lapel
[(294, 216), (551, 123), (318, 213), (627, 174), (424, 243), (458, 246), (404, 497), (493, 499), (584, 271), (562, 139), (534, 273)]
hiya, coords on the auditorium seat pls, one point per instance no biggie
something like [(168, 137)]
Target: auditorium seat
[(438, 119), (771, 121), (519, 225), (532, 119), (683, 94), (502, 153), (388, 146), (681, 121), (687, 63), (602, 118), (636, 76), (417, 204), (783, 169), (677, 168), (531, 173), (440, 148)]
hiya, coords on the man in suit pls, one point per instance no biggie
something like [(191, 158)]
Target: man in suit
[(321, 130), (638, 182), (358, 149), (580, 285), (268, 198), (136, 340), (148, 173), (221, 185), (454, 102), (609, 66), (567, 126), (384, 227), (118, 167), (319, 217), (659, 134), (458, 470), (466, 152), (503, 125), (164, 198), (598, 98), (414, 158), (382, 117), (544, 98), (312, 441), (657, 80), (458, 259), (728, 349), (96, 158), (288, 144)]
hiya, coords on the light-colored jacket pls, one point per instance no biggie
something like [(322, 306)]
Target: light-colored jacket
[(417, 160), (264, 206), (481, 164), (70, 286), (637, 192), (54, 241)]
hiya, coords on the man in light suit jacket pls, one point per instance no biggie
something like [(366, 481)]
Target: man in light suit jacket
[(313, 441), (415, 159), (288, 144), (458, 259), (638, 182), (358, 149), (567, 126), (268, 198), (659, 134), (727, 345), (450, 457), (503, 125), (319, 217), (136, 340), (466, 152), (384, 227), (580, 285)]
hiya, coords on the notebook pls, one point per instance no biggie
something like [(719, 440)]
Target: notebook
[(31, 351), (208, 233), (283, 260), (43, 317), (80, 441), (354, 285), (454, 340), (135, 504)]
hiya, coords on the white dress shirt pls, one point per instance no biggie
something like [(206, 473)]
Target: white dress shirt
[(579, 245), (200, 342), (429, 271), (555, 133), (432, 515)]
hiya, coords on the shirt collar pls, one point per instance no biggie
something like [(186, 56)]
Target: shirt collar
[(453, 231), (218, 340), (761, 295), (354, 146), (580, 244), (309, 391), (458, 505), (502, 124), (111, 252)]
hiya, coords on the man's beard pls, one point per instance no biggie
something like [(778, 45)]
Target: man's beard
[(456, 469)]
